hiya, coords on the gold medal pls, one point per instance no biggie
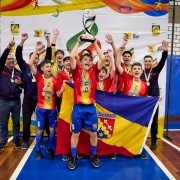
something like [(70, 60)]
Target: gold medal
[(12, 80), (33, 80), (43, 93), (148, 83)]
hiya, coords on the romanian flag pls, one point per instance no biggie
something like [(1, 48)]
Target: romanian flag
[(124, 123)]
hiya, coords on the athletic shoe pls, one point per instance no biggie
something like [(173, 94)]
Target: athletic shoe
[(95, 161), (112, 156), (3, 145), (65, 157), (38, 155), (50, 153), (143, 156), (72, 163), (80, 156), (153, 145), (17, 145), (24, 145)]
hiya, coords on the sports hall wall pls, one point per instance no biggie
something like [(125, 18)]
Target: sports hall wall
[(143, 22)]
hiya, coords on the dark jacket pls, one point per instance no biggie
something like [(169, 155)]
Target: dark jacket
[(153, 89), (8, 90), (30, 88)]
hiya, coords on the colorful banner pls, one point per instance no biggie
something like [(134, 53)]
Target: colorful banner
[(143, 22), (123, 123)]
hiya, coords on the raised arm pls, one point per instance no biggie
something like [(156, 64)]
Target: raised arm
[(100, 54), (5, 55), (73, 54), (48, 49), (53, 45), (110, 41), (113, 68), (31, 65), (118, 60), (18, 54), (161, 63)]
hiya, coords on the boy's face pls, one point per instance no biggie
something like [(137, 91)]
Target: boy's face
[(107, 59), (148, 63), (46, 69), (67, 64), (86, 63), (127, 58), (10, 61), (59, 57), (136, 71), (102, 75)]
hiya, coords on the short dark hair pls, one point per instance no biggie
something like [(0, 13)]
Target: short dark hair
[(88, 55), (87, 51), (105, 53), (127, 52), (148, 56), (45, 62), (105, 69), (66, 58), (137, 64), (59, 51), (32, 53)]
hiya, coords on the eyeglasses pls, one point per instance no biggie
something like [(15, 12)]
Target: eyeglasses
[(10, 59)]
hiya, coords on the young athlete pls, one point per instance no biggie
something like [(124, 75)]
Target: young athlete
[(46, 106), (108, 63), (105, 78), (150, 75), (65, 75), (30, 87), (133, 86), (84, 115)]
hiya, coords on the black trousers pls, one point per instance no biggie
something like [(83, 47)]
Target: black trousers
[(154, 126), (28, 107)]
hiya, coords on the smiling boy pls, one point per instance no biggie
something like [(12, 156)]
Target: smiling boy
[(85, 76)]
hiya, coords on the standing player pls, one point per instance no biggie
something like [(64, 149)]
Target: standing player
[(133, 86), (63, 76), (30, 87), (150, 75), (84, 115), (46, 106)]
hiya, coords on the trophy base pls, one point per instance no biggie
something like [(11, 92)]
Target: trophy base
[(87, 38)]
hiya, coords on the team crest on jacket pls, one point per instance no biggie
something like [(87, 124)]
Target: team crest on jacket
[(105, 125)]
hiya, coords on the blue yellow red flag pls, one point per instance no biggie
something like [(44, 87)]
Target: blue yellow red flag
[(123, 127)]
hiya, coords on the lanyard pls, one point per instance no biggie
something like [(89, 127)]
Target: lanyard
[(12, 75), (135, 88), (46, 83), (127, 70), (100, 85), (147, 77)]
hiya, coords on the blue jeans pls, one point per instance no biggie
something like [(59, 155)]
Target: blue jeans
[(7, 107)]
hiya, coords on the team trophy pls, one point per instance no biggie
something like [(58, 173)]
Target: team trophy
[(88, 21)]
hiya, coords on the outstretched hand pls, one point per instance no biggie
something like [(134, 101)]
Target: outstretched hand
[(24, 36), (47, 37), (109, 39), (55, 32), (125, 41), (39, 45), (164, 46), (11, 43)]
